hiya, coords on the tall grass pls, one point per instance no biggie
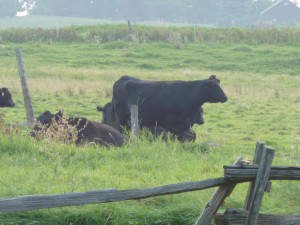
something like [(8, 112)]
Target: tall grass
[(145, 34)]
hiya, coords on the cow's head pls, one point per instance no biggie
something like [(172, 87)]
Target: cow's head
[(5, 98), (214, 92), (44, 120), (107, 114)]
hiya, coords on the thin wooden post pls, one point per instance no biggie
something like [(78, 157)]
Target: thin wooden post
[(23, 79), (260, 184), (135, 130), (130, 31), (216, 201), (260, 146)]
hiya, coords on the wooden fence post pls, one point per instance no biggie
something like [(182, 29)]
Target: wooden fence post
[(260, 184), (260, 146), (135, 130), (130, 31), (23, 79)]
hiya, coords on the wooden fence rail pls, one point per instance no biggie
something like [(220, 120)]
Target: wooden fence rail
[(238, 173), (30, 202)]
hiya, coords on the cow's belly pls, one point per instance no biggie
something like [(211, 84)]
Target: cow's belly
[(149, 119), (174, 122)]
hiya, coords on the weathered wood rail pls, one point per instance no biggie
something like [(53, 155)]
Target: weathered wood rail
[(238, 173), (257, 175), (30, 202)]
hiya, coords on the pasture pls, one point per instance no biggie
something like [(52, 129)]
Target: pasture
[(261, 81)]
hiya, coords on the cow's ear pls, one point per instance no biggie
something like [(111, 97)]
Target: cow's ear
[(59, 115), (214, 77)]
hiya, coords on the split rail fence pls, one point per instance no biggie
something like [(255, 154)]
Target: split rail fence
[(259, 175)]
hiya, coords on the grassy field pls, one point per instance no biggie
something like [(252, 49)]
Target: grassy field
[(261, 81)]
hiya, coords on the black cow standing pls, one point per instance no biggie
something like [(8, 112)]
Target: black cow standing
[(87, 131), (5, 98), (173, 105), (108, 117)]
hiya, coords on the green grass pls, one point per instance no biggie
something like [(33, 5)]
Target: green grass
[(263, 59), (261, 80)]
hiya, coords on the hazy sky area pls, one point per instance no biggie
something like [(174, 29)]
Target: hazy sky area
[(30, 6), (222, 13)]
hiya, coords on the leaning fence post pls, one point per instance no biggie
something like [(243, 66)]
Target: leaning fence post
[(214, 204), (23, 79), (135, 130), (260, 146), (260, 184), (130, 31)]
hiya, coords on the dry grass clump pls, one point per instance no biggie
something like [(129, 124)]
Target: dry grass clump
[(8, 130), (58, 131)]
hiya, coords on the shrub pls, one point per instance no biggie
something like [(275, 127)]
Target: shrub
[(59, 131)]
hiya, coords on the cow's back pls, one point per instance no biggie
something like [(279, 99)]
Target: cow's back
[(103, 134)]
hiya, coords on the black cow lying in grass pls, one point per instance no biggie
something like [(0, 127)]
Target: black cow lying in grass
[(5, 98), (108, 118), (78, 129)]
